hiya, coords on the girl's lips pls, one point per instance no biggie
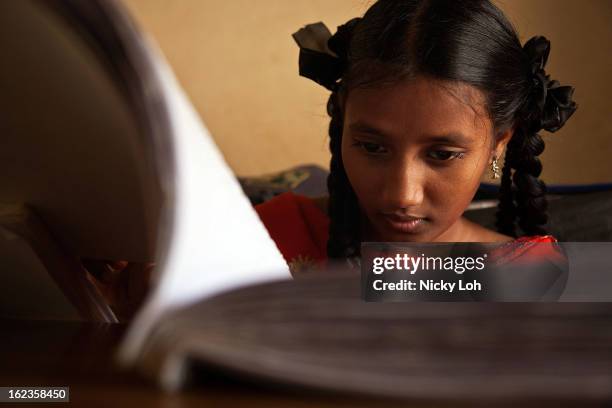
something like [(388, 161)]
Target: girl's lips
[(406, 224)]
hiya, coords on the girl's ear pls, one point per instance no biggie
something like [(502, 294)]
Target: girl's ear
[(501, 142)]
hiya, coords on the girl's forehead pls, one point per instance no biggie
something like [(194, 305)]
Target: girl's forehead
[(420, 106)]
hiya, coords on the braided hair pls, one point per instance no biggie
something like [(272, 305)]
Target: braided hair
[(469, 41)]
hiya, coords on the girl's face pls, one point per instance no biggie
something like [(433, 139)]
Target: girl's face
[(414, 153)]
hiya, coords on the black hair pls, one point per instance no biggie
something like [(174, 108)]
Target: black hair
[(470, 41)]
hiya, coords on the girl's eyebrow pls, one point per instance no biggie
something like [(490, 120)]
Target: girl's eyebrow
[(453, 138), (456, 138), (362, 127)]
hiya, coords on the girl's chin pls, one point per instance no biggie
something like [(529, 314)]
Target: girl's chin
[(384, 235), (410, 238), (388, 232)]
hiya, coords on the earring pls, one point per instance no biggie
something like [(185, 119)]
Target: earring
[(494, 168)]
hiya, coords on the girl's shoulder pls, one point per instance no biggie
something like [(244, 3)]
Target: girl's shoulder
[(533, 247), (479, 233), (535, 239), (298, 225)]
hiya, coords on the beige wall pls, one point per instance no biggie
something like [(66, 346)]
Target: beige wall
[(238, 63)]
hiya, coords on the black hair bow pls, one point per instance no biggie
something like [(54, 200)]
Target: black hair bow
[(552, 100), (323, 56)]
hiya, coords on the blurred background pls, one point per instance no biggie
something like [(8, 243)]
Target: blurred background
[(238, 64)]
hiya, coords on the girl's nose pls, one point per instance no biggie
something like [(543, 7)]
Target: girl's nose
[(403, 187)]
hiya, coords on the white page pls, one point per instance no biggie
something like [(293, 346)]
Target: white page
[(217, 242)]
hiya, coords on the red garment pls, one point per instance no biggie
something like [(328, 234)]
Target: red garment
[(300, 230), (297, 225)]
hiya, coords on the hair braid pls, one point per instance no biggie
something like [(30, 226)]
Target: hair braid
[(526, 200), (344, 236), (531, 191), (506, 213)]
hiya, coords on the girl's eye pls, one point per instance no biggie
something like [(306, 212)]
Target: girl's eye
[(445, 155), (371, 148)]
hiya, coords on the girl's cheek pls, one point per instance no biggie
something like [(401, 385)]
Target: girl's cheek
[(454, 198), (445, 194), (363, 177)]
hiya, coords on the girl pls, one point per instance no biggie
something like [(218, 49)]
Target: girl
[(426, 95)]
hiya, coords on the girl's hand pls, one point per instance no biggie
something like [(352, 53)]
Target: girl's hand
[(124, 285)]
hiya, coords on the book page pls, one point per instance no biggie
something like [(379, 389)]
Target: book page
[(214, 240)]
